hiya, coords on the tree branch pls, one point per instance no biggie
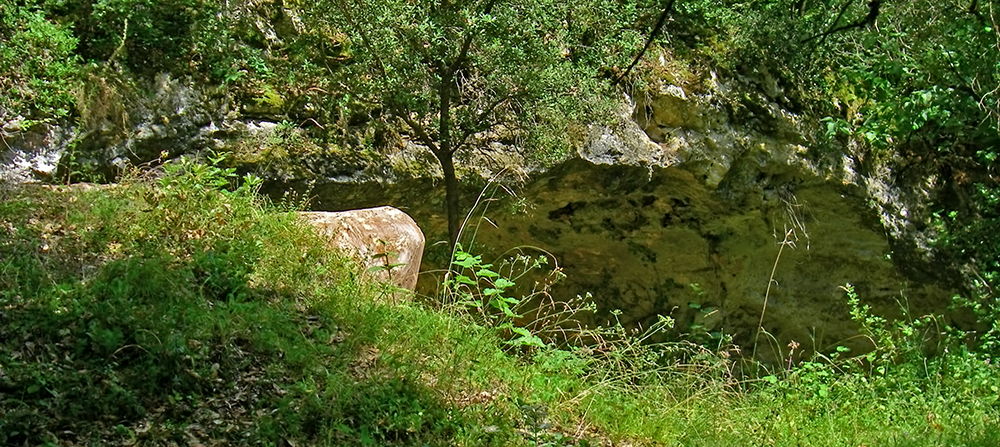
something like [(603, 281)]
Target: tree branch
[(467, 42), (474, 129), (874, 6), (649, 40), (419, 130)]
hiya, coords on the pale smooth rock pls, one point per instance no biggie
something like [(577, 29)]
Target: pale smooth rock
[(385, 240)]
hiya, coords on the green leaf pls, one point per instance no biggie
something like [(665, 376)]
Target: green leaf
[(467, 261), (521, 331), (462, 279), (526, 338), (487, 273), (824, 391)]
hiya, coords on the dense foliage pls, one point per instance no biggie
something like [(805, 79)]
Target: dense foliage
[(454, 76), (452, 72), (38, 63)]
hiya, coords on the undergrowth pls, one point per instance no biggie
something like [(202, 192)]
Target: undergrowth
[(187, 310)]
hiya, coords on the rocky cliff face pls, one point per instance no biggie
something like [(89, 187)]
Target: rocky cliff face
[(31, 154), (121, 124), (692, 208)]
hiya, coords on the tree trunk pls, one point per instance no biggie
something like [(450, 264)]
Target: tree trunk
[(451, 196), (445, 155)]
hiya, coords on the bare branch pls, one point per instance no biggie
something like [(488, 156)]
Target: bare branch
[(874, 7), (649, 41), (480, 118), (418, 130)]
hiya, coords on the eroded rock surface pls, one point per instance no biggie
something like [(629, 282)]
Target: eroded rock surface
[(31, 154), (681, 209), (687, 218)]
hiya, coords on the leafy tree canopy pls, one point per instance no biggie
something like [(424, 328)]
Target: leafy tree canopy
[(458, 73)]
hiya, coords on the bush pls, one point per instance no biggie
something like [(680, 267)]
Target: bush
[(38, 64)]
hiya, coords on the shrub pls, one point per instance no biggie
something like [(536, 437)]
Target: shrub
[(38, 64)]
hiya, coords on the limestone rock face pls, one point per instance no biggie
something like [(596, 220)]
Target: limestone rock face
[(135, 122), (684, 213), (679, 209), (665, 243), (385, 240), (28, 155)]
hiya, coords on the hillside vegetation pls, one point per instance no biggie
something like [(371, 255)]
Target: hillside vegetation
[(178, 306), (182, 311)]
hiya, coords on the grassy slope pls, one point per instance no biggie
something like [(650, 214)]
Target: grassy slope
[(171, 312)]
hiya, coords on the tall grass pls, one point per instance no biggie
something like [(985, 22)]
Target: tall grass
[(188, 310)]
